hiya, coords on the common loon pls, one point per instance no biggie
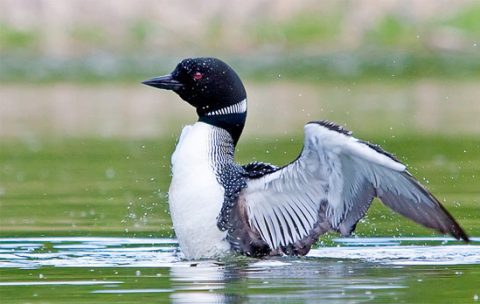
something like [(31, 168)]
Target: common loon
[(218, 206)]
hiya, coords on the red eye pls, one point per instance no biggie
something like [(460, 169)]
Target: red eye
[(197, 76)]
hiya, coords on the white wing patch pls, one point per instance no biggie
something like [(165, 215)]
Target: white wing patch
[(282, 217), (332, 184), (340, 143)]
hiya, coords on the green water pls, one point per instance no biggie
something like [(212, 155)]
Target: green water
[(280, 280), (116, 188)]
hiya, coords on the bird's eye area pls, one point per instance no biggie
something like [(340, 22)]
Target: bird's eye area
[(197, 76)]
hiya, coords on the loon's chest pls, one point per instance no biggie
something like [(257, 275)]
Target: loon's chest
[(195, 195)]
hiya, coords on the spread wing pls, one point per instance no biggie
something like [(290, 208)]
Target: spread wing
[(331, 186)]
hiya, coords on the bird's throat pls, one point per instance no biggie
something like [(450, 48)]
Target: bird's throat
[(231, 118), (232, 123)]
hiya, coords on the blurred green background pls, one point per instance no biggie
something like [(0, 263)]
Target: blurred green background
[(327, 40), (84, 148)]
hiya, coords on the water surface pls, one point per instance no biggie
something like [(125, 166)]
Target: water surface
[(83, 215), (353, 270)]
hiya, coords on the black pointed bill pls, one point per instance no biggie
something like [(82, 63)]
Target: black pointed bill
[(164, 82)]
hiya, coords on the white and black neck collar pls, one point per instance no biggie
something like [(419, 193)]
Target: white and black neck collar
[(237, 108), (231, 118)]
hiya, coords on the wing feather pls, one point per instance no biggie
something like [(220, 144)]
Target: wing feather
[(293, 222), (282, 225), (332, 184)]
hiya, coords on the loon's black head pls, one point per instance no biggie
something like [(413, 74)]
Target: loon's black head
[(213, 88), (208, 84)]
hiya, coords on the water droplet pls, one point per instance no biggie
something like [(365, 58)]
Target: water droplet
[(110, 173)]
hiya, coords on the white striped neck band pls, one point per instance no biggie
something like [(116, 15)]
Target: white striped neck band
[(239, 107)]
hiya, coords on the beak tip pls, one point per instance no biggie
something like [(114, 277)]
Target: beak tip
[(163, 82), (148, 82)]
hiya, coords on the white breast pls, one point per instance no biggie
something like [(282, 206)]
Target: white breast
[(195, 196)]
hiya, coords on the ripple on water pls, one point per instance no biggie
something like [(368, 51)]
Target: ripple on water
[(57, 283), (403, 251), (120, 291), (160, 252)]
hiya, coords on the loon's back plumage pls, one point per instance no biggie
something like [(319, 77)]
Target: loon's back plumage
[(259, 209)]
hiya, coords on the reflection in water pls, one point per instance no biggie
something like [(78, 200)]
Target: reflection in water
[(357, 270), (274, 280), (199, 282)]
